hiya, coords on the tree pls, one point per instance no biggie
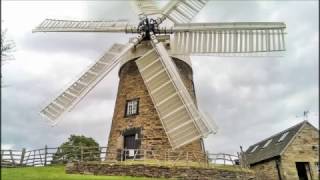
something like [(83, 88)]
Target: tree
[(77, 148), (7, 47)]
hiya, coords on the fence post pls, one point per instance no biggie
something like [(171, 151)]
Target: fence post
[(121, 155), (40, 157), (243, 158), (187, 158), (45, 154), (23, 152), (11, 156), (2, 152), (207, 158), (34, 157)]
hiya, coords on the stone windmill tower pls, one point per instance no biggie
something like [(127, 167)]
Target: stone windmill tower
[(136, 123), (156, 103)]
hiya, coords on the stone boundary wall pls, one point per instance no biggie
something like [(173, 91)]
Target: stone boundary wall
[(188, 173)]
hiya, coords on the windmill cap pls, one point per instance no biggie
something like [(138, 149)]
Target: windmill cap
[(143, 48)]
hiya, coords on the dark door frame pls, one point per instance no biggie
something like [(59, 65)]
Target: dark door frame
[(303, 170), (136, 132)]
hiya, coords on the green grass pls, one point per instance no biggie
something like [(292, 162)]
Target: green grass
[(58, 172), (54, 173)]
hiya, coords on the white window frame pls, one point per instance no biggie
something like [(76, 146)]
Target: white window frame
[(132, 107)]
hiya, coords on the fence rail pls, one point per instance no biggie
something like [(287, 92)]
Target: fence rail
[(47, 156)]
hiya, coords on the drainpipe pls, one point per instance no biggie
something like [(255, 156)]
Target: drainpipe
[(278, 168)]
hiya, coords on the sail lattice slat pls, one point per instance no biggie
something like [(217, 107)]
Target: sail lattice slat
[(183, 11), (77, 90), (54, 25), (201, 38), (147, 7), (199, 119), (176, 109)]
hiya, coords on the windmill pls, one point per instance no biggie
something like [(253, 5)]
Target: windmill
[(155, 53)]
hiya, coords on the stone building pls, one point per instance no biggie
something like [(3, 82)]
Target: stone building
[(135, 123), (288, 155)]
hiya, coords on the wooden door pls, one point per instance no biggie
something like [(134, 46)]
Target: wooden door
[(129, 142), (129, 146)]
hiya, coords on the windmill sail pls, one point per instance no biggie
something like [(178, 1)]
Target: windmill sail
[(183, 11), (146, 7), (201, 122), (180, 118), (74, 93), (53, 25), (203, 38)]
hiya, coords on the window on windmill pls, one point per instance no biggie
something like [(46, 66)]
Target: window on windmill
[(254, 148), (132, 107), (267, 143), (283, 136)]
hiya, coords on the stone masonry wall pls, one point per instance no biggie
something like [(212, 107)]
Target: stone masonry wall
[(152, 135), (188, 173), (266, 170), (304, 148)]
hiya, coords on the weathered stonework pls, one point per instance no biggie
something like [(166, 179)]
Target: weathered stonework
[(151, 133), (266, 170), (188, 173), (304, 148)]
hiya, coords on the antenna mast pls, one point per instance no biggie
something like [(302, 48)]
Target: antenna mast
[(305, 115)]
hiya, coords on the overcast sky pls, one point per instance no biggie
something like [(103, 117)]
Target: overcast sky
[(250, 98)]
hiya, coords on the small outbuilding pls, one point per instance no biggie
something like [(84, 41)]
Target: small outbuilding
[(292, 154)]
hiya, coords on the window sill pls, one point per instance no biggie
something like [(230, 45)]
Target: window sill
[(130, 116)]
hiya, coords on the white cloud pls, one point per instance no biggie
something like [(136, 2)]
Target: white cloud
[(7, 146)]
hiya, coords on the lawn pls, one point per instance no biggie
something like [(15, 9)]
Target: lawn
[(54, 173)]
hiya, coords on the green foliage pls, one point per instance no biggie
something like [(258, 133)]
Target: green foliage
[(77, 148), (54, 173), (7, 46)]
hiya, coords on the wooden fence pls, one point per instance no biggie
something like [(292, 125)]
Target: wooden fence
[(47, 156), (223, 158)]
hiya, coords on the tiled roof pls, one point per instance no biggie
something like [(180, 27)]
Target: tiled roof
[(274, 148)]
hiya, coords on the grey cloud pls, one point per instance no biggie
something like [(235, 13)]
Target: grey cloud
[(250, 98), (111, 10), (259, 97), (83, 44)]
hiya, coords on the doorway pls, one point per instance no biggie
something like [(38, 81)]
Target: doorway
[(129, 145), (303, 169), (129, 142)]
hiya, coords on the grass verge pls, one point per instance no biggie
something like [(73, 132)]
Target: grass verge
[(54, 173)]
